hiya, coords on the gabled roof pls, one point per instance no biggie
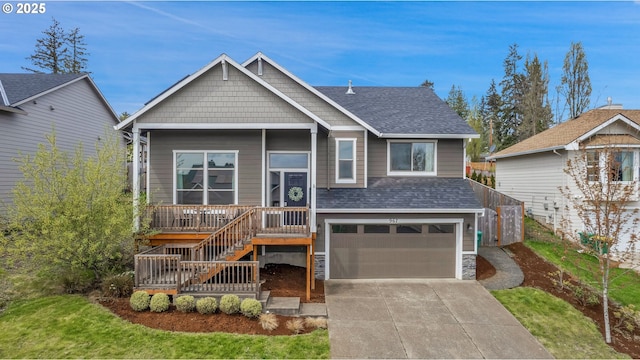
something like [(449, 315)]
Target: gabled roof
[(17, 89), (419, 194), (222, 59), (563, 135), (22, 87), (402, 111)]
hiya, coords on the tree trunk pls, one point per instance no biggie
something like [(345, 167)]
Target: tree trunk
[(605, 300)]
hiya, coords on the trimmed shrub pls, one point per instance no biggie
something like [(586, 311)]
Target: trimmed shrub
[(159, 302), (207, 305), (296, 325), (186, 303), (140, 301), (230, 304), (268, 322), (120, 285), (251, 308), (315, 322)]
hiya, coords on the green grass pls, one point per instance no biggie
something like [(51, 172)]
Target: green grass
[(72, 327), (624, 285), (560, 328)]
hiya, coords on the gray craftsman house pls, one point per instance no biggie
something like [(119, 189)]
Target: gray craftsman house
[(249, 162), (33, 105)]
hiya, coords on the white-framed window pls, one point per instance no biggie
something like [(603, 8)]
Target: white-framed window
[(206, 177), (622, 168), (414, 158), (610, 166), (346, 161)]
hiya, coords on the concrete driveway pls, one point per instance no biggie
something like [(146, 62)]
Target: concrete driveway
[(419, 319)]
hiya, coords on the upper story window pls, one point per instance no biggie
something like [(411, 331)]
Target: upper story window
[(345, 161), (411, 158), (206, 177), (612, 166)]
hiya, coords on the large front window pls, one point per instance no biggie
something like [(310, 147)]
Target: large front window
[(412, 158), (621, 166), (206, 177)]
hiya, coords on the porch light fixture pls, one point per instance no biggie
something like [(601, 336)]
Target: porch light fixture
[(469, 228)]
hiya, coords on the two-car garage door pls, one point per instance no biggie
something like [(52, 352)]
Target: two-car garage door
[(377, 251)]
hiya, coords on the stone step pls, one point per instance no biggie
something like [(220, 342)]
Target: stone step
[(264, 298), (289, 306), (313, 310)]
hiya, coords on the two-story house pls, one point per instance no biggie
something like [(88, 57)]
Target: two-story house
[(34, 105), (533, 170), (356, 182)]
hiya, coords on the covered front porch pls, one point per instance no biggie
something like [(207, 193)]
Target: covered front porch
[(205, 249)]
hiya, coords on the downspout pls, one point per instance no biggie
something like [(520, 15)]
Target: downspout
[(555, 204)]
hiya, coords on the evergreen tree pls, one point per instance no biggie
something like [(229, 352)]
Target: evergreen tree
[(476, 147), (490, 106), (458, 102), (75, 60), (50, 51), (536, 110), (575, 84), (428, 84), (512, 92), (58, 52)]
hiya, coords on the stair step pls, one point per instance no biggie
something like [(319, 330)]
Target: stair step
[(313, 310), (264, 298), (283, 306)]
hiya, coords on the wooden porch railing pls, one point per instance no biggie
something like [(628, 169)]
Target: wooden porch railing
[(201, 267), (193, 218)]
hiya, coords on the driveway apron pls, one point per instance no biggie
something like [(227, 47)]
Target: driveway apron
[(418, 319)]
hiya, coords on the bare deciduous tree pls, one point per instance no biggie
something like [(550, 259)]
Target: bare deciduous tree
[(602, 186)]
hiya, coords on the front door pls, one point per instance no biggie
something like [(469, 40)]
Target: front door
[(295, 195)]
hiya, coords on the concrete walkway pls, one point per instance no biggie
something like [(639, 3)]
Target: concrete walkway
[(423, 319), (508, 274)]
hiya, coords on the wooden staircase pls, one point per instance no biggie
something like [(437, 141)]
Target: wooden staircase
[(213, 264)]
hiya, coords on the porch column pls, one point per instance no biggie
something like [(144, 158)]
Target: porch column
[(135, 177), (314, 153)]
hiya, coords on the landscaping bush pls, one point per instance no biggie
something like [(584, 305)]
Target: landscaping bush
[(251, 308), (186, 303), (585, 295), (207, 305), (76, 281), (120, 285), (296, 325), (268, 322), (140, 301), (315, 322), (159, 302), (230, 304)]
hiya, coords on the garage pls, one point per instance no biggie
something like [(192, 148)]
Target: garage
[(379, 251)]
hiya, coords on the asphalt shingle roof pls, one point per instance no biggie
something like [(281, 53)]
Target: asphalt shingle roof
[(22, 86), (400, 110), (566, 132), (402, 193)]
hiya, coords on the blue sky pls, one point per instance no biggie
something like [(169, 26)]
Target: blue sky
[(138, 49)]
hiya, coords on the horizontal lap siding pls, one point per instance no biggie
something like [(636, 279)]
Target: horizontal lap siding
[(209, 99), (288, 140), (247, 142), (450, 157), (79, 117)]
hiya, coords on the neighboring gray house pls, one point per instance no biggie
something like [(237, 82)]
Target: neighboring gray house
[(33, 105), (377, 173), (532, 170)]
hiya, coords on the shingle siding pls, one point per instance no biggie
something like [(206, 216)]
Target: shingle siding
[(301, 95), (79, 116), (209, 99)]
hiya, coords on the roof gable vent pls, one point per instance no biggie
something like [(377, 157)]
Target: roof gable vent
[(350, 89)]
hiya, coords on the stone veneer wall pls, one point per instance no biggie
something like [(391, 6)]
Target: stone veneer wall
[(319, 266), (469, 267)]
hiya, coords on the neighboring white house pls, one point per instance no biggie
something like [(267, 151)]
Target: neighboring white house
[(33, 105), (533, 170)]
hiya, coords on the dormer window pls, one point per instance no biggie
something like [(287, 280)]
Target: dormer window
[(411, 158)]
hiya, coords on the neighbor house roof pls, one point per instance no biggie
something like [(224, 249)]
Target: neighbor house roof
[(395, 111), (20, 87), (417, 194), (566, 133)]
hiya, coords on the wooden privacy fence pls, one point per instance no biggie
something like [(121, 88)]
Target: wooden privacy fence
[(503, 220)]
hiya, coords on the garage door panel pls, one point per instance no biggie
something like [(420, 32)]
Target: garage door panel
[(392, 256)]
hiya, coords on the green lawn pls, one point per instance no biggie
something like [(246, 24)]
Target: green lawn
[(624, 286), (72, 327), (560, 328)]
